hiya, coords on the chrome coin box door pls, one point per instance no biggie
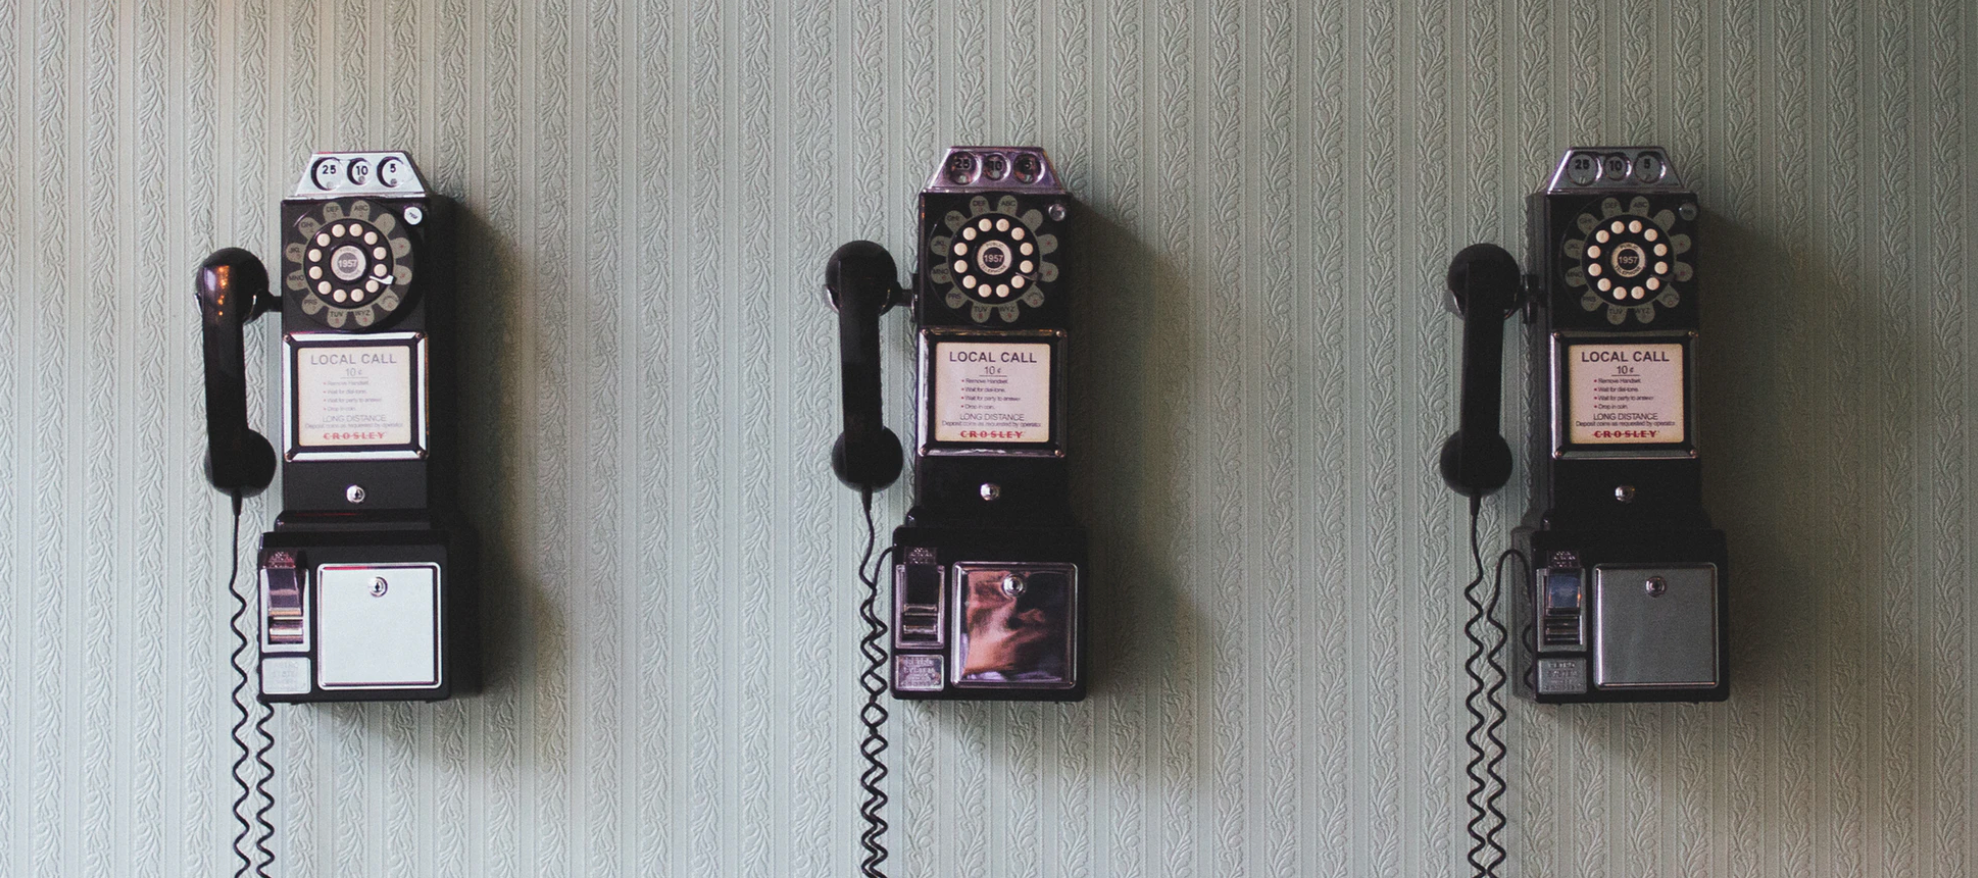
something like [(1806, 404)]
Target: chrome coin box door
[(1617, 487)]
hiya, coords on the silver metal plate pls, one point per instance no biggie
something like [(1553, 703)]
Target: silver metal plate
[(1562, 676), (1655, 627), (1017, 625), (919, 672), (344, 174), (379, 626)]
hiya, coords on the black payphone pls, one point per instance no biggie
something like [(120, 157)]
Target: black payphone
[(988, 572), (1622, 594), (359, 587), (360, 578), (987, 582)]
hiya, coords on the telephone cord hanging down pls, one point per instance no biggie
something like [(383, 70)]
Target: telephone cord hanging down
[(1485, 705), (873, 715), (250, 735)]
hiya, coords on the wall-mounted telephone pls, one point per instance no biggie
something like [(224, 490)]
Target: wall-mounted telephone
[(360, 580), (989, 567), (1627, 588), (1624, 582), (988, 572)]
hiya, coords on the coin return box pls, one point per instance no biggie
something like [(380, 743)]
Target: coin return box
[(920, 606), (1655, 627), (378, 626)]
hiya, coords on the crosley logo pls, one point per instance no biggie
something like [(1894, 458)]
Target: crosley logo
[(359, 436)]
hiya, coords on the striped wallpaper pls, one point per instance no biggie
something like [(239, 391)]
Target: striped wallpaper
[(1272, 189)]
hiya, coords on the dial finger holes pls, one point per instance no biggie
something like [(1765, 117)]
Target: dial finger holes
[(1650, 234), (1661, 249), (1594, 269), (1002, 291), (1593, 252), (961, 249), (339, 296), (315, 255), (315, 272), (357, 295), (1025, 266), (1661, 268), (983, 224), (1600, 236), (1634, 226), (961, 266), (1025, 248), (378, 268), (1605, 284), (1654, 283), (968, 281), (968, 233), (378, 253), (1017, 233), (1637, 293), (1617, 227), (323, 289), (322, 239), (1002, 225), (1017, 282), (371, 286), (370, 237)]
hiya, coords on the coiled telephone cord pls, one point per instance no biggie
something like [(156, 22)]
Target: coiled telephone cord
[(873, 715), (1485, 704), (251, 736)]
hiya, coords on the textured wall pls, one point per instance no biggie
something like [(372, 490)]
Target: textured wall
[(1273, 191)]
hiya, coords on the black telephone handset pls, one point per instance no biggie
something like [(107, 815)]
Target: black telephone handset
[(1484, 289), (231, 287), (859, 282)]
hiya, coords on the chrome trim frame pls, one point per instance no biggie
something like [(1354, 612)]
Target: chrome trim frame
[(327, 176), (1057, 338), (422, 406), (1561, 340), (439, 626), (1074, 610), (1047, 181), (1561, 181)]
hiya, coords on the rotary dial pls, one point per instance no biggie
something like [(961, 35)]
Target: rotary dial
[(351, 262), (992, 261), (1628, 261)]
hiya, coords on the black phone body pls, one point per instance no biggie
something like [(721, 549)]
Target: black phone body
[(989, 580), (1627, 593), (362, 576)]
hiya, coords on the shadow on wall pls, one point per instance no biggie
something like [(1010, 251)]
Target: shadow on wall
[(1767, 426), (493, 383)]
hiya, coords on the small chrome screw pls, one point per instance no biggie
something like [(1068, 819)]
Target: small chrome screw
[(354, 493)]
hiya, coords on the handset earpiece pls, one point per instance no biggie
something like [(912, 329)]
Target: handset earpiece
[(861, 282), (232, 288), (1484, 289)]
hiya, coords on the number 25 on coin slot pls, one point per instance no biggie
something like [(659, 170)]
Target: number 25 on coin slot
[(989, 571), (1626, 598), (360, 579)]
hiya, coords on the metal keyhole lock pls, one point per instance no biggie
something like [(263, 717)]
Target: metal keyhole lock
[(379, 586), (1655, 586), (1013, 584)]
